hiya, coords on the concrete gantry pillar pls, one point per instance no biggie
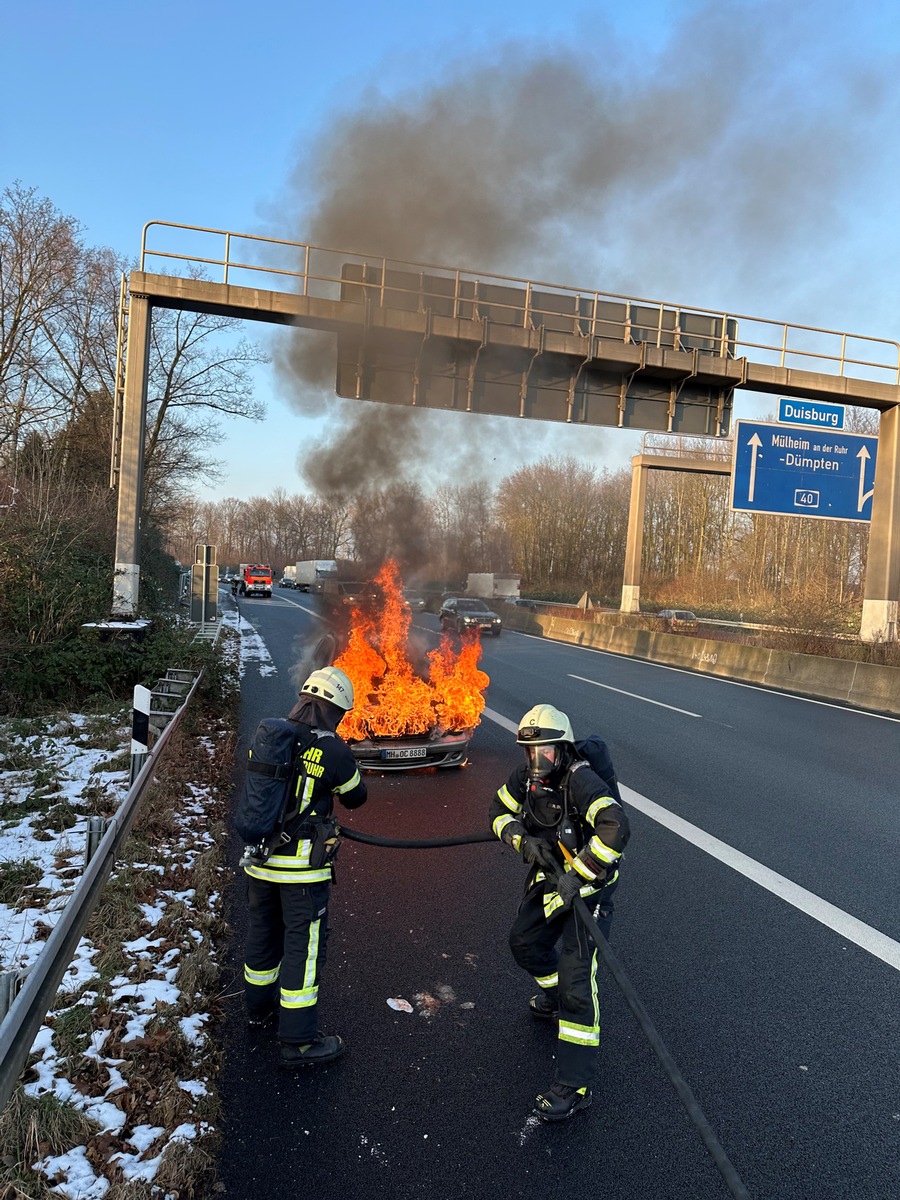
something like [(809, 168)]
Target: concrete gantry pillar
[(631, 583), (882, 591), (126, 581)]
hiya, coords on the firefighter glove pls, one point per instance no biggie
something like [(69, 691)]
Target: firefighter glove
[(568, 886), (536, 850)]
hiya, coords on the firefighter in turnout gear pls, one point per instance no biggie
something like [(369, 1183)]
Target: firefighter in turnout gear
[(565, 820), (288, 892)]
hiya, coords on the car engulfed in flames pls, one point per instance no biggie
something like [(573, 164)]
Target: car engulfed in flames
[(404, 717)]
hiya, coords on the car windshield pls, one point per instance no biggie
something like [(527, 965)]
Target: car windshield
[(471, 606)]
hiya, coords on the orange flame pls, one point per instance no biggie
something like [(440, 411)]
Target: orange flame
[(391, 700)]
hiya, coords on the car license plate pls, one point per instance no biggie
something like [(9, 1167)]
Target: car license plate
[(408, 752)]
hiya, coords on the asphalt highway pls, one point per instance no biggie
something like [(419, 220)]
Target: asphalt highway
[(757, 919)]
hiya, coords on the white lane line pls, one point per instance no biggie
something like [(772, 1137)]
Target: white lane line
[(871, 940), (862, 935), (635, 696), (312, 612), (503, 722)]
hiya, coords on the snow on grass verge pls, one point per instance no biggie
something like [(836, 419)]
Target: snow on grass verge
[(253, 648), (119, 1098)]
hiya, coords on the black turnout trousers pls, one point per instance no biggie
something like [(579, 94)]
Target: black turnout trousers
[(285, 954), (570, 971)]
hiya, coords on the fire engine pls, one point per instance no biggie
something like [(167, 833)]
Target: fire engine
[(256, 580)]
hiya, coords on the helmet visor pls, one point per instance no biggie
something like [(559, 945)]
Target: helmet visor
[(543, 759)]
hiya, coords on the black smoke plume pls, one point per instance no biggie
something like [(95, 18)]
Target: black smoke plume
[(708, 172)]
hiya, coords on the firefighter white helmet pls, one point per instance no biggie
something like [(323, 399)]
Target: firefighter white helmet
[(543, 724), (545, 732), (331, 684)]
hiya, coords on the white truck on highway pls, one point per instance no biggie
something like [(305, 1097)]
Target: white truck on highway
[(311, 574), (489, 586)]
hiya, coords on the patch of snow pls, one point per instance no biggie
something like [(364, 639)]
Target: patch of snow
[(194, 1087), (76, 1175), (252, 647), (153, 913), (142, 1137), (192, 1027)]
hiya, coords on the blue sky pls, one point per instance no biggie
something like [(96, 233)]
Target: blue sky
[(741, 156)]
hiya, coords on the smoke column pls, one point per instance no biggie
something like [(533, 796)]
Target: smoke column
[(709, 173)]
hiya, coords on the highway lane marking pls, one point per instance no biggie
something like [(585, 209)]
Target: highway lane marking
[(852, 930), (635, 696), (754, 687), (312, 612)]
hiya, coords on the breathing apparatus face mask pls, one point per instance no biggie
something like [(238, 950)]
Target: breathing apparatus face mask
[(543, 761)]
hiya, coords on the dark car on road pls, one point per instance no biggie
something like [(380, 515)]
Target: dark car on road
[(464, 615)]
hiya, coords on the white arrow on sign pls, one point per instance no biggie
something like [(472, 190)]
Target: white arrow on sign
[(863, 456), (756, 443)]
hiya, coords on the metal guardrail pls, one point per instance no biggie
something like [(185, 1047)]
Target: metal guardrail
[(41, 982), (322, 271), (676, 445)]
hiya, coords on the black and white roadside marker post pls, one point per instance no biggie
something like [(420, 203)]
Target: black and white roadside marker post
[(140, 730)]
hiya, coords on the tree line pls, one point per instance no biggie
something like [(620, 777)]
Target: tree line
[(562, 526), (59, 326)]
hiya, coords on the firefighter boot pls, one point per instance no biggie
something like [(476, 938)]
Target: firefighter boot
[(261, 1018), (324, 1049), (561, 1101), (545, 1005)]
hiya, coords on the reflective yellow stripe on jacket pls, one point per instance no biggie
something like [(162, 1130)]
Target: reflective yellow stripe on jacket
[(291, 868), (508, 800)]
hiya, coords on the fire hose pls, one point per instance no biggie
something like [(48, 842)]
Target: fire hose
[(686, 1096)]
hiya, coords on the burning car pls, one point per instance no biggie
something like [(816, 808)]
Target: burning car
[(407, 717)]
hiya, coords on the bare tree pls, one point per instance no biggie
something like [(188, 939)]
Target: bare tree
[(39, 255), (196, 376), (549, 511)]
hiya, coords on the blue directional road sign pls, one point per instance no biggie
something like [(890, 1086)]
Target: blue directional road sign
[(811, 412), (797, 471)]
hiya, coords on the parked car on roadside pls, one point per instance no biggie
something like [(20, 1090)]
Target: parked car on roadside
[(679, 618), (463, 615)]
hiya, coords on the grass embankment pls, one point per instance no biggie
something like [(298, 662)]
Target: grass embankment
[(119, 1098)]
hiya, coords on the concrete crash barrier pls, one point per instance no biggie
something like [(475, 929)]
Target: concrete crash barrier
[(863, 685)]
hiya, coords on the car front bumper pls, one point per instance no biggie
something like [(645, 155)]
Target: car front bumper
[(410, 753)]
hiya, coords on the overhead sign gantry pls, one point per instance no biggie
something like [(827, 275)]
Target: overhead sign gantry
[(454, 339)]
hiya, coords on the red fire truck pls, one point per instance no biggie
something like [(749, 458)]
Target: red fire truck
[(256, 580)]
